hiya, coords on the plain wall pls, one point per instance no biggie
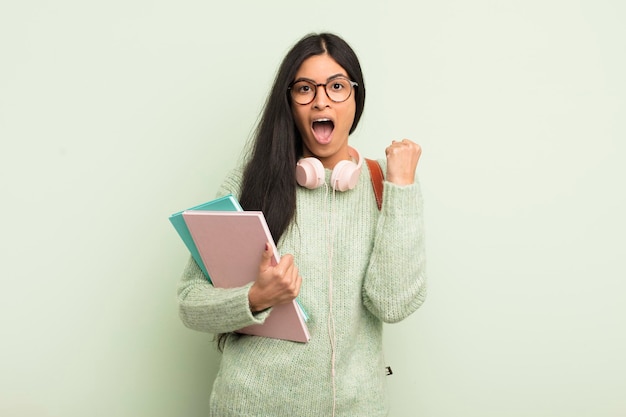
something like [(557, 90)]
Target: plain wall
[(113, 115)]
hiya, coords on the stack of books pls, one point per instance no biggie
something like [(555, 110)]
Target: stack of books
[(228, 243)]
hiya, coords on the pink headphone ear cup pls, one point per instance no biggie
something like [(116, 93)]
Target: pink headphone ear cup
[(345, 176), (310, 173)]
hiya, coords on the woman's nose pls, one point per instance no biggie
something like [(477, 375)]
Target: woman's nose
[(321, 99)]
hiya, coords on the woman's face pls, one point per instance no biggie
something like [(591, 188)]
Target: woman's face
[(324, 124)]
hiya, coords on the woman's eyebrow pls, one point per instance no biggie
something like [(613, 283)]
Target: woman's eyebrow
[(304, 79), (336, 76), (332, 77)]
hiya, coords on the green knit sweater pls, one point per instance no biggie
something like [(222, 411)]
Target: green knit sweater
[(378, 275)]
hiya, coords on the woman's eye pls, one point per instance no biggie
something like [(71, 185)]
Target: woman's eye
[(304, 89), (337, 86)]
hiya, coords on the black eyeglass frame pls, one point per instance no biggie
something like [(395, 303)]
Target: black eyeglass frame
[(317, 86)]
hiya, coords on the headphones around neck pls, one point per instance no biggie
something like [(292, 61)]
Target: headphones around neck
[(310, 172)]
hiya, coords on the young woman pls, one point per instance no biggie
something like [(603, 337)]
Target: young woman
[(351, 265)]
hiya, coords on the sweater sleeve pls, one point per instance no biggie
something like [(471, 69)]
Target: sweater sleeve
[(215, 310), (395, 282)]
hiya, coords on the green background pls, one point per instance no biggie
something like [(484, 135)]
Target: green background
[(114, 115)]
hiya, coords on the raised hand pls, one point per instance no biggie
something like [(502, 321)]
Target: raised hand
[(402, 159)]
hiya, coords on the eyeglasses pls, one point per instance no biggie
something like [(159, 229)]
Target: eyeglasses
[(339, 89)]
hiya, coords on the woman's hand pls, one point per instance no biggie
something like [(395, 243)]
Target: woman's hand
[(402, 159), (275, 284)]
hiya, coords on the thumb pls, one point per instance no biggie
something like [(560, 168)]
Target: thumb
[(266, 257)]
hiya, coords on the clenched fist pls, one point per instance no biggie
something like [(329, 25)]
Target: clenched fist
[(402, 159)]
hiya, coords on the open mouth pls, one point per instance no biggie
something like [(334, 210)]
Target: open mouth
[(323, 129)]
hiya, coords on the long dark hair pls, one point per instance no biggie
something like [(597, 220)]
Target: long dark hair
[(269, 182)]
